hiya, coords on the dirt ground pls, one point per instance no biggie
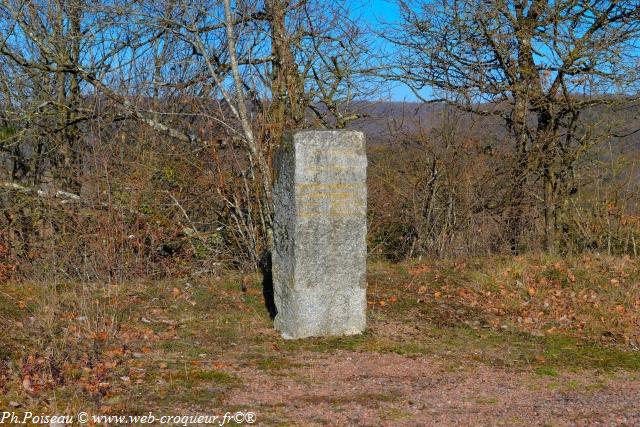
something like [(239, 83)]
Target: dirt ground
[(532, 341), (352, 388)]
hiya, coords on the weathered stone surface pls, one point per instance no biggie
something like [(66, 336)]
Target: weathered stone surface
[(320, 226)]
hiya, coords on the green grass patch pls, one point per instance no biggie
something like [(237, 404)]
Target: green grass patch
[(547, 371), (276, 363), (217, 377), (486, 400), (574, 353), (327, 345), (547, 353)]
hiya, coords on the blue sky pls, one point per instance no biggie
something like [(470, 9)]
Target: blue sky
[(381, 11)]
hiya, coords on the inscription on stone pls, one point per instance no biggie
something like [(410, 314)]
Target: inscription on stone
[(319, 257)]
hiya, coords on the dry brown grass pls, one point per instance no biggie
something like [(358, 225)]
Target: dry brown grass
[(191, 345)]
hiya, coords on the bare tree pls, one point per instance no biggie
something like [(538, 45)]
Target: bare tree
[(536, 65), (253, 69)]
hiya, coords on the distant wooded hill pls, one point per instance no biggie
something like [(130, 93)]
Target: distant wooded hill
[(385, 122)]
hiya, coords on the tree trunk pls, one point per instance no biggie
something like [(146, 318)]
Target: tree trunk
[(287, 109), (73, 138), (547, 140), (68, 156), (549, 214), (515, 220)]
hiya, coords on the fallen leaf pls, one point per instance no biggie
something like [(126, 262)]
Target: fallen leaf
[(114, 352), (419, 269), (26, 384)]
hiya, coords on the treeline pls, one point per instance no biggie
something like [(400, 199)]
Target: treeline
[(136, 137), (445, 192)]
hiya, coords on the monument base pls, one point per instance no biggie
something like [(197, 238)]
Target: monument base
[(312, 318)]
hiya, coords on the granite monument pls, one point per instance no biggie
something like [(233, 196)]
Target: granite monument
[(319, 231)]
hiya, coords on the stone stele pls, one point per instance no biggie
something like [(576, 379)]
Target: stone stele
[(319, 231)]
